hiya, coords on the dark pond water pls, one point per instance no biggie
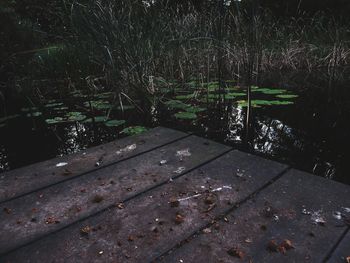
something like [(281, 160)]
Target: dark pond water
[(299, 128)]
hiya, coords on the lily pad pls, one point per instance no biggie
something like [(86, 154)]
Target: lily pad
[(114, 123), (34, 114), (287, 96), (259, 103), (96, 119), (98, 104), (195, 109), (55, 120), (268, 91), (176, 104), (126, 107), (52, 105), (75, 116), (133, 130), (185, 115)]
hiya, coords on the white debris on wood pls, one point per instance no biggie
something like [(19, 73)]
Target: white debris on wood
[(183, 153), (180, 170), (213, 190), (346, 209), (162, 162), (337, 215), (128, 148), (317, 218), (61, 164)]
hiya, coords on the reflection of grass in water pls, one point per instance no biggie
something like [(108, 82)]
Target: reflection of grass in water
[(260, 103)]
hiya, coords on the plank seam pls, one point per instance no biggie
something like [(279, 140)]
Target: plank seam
[(123, 201), (96, 169), (335, 246), (198, 232)]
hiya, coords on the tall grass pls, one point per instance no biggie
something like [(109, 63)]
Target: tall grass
[(128, 44)]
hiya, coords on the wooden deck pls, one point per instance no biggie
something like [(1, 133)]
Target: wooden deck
[(167, 196)]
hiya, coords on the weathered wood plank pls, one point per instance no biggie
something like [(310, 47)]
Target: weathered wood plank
[(52, 208), (147, 226), (342, 252), (293, 208), (27, 179)]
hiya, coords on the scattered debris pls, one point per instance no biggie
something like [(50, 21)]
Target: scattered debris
[(276, 218), (61, 164), (346, 209), (85, 230), (305, 212), (236, 252), (7, 210), (120, 206), (97, 199), (317, 218), (174, 202), (248, 240), (162, 162), (272, 246), (183, 153), (100, 252), (131, 238), (128, 148), (97, 164), (179, 219), (210, 199), (337, 215), (207, 230), (180, 170), (51, 220), (285, 245)]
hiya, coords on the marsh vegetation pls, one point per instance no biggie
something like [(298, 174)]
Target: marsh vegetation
[(266, 78)]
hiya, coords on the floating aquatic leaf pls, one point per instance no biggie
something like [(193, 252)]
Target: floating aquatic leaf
[(55, 120), (98, 104), (52, 105), (132, 130), (176, 104), (287, 96), (269, 91), (61, 108), (75, 116), (194, 109), (185, 115), (114, 123), (259, 103), (34, 114), (96, 119), (29, 109)]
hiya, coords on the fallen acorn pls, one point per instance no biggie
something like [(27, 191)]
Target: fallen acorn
[(236, 252)]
